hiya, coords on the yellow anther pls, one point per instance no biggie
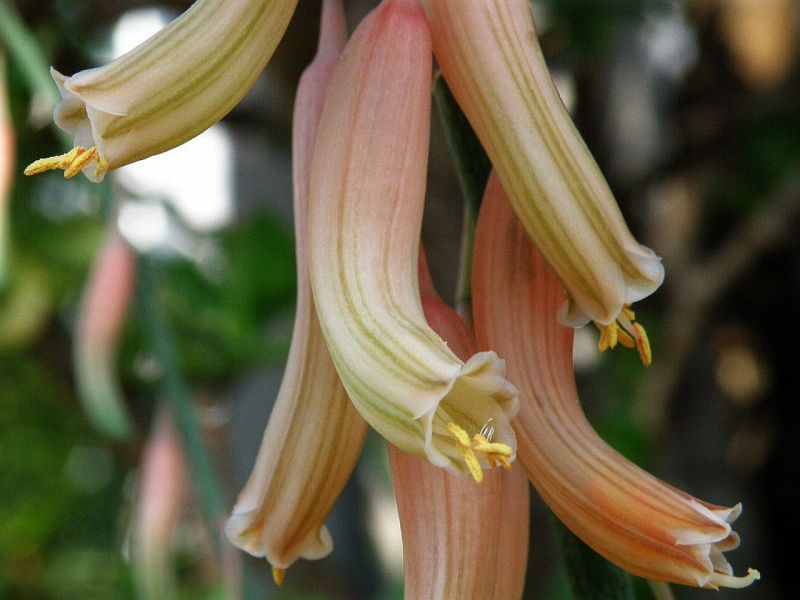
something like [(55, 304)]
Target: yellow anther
[(72, 162), (465, 448), (643, 345), (473, 464), (481, 444), (625, 339), (494, 452), (609, 335), (626, 332), (278, 575), (503, 461), (459, 434)]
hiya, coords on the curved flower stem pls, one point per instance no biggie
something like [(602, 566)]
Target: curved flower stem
[(472, 169), (174, 387)]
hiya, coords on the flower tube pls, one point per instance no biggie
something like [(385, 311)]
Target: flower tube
[(365, 214), (459, 541), (102, 315), (7, 161), (490, 57), (634, 520), (167, 90), (160, 497), (314, 435)]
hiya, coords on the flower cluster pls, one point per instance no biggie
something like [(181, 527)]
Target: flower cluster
[(372, 343)]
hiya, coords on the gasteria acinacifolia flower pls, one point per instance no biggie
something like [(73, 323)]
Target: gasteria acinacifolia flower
[(167, 90), (103, 311), (160, 499), (365, 214), (636, 521), (459, 541), (489, 55), (314, 435)]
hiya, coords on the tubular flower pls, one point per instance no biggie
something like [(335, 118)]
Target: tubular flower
[(103, 311), (167, 90), (314, 435), (476, 538), (365, 212), (7, 154), (636, 521), (159, 502), (490, 57)]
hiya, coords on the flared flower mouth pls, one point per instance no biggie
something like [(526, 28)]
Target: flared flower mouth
[(467, 431)]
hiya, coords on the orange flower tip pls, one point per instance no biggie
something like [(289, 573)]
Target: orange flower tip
[(625, 332), (72, 162), (719, 580), (278, 575), (494, 452)]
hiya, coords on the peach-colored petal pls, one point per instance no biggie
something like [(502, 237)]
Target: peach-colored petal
[(314, 435), (630, 517), (160, 497)]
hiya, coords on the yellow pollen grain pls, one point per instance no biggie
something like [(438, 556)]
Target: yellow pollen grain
[(71, 162), (278, 575)]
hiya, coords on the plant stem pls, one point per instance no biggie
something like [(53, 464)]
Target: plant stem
[(472, 169), (590, 575), (174, 387), (26, 53)]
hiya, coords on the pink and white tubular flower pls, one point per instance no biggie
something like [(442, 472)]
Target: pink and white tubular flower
[(167, 90), (489, 55), (314, 435), (365, 213)]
